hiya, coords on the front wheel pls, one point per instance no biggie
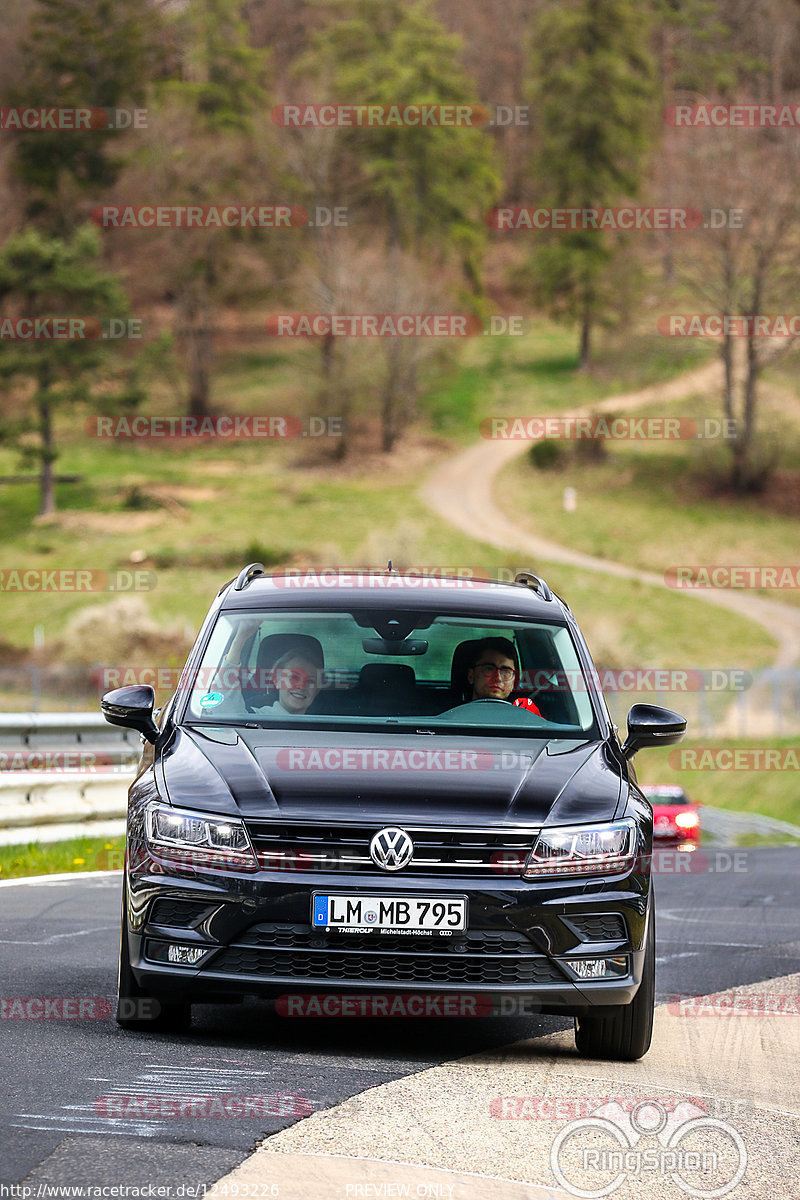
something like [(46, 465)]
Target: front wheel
[(137, 1009), (627, 1034)]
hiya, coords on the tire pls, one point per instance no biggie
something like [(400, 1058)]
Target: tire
[(627, 1034), (138, 1009)]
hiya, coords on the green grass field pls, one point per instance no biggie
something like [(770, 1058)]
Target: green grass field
[(194, 513), (771, 792), (654, 505), (537, 374), (55, 858)]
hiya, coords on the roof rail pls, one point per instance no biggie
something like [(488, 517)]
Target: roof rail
[(247, 575), (533, 581)]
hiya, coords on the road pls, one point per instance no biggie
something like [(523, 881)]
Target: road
[(461, 491), (730, 920)]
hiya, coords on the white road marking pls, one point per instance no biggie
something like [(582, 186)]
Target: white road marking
[(64, 877)]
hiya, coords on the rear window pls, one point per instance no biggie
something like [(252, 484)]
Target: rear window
[(398, 668)]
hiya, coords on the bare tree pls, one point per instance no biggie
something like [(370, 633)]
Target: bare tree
[(747, 268)]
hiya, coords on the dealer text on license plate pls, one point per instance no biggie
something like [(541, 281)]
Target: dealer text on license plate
[(388, 912)]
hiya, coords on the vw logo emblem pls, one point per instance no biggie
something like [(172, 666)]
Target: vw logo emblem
[(391, 849)]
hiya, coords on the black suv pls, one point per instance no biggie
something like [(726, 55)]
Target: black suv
[(390, 793)]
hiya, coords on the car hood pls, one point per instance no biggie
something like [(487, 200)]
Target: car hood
[(389, 778)]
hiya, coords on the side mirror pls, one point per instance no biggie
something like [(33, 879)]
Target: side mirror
[(132, 707), (650, 725)]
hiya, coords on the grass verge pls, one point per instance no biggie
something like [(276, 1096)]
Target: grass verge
[(56, 858), (771, 793)]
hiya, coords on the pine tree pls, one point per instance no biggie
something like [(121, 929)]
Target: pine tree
[(595, 105), (48, 278), (79, 54)]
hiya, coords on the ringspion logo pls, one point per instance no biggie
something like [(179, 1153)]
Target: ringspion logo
[(594, 1156)]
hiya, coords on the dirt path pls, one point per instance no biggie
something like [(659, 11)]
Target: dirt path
[(461, 492)]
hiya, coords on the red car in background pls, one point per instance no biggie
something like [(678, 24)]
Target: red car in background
[(675, 817)]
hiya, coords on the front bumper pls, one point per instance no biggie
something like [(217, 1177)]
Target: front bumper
[(256, 939)]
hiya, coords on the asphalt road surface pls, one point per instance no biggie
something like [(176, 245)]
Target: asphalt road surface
[(726, 917)]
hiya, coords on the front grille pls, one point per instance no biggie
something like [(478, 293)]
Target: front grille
[(278, 936), (600, 927), (178, 914), (348, 967), (444, 851)]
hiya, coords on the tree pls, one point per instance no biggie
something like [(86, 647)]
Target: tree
[(210, 145), (748, 268), (423, 191), (81, 54), (594, 94), (430, 187), (44, 278)]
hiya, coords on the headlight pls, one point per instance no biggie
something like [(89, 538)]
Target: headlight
[(583, 850), (205, 841)]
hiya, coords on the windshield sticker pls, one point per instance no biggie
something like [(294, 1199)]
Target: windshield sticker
[(211, 699)]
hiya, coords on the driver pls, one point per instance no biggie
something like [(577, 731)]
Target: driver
[(494, 672)]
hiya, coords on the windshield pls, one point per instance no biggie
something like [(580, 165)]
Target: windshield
[(393, 667)]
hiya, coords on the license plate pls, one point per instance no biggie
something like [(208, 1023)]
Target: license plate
[(401, 913)]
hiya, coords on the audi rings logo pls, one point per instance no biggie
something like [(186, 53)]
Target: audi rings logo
[(392, 849)]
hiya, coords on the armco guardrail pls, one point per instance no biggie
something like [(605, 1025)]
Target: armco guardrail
[(63, 767)]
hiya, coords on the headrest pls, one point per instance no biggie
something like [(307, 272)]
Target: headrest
[(386, 677)]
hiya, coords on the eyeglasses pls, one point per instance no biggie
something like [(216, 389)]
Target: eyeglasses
[(487, 668)]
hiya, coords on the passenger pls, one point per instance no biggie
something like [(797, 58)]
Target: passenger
[(295, 674), (297, 679)]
